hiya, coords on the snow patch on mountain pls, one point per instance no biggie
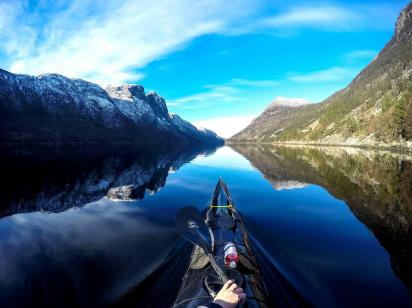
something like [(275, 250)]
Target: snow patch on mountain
[(288, 102)]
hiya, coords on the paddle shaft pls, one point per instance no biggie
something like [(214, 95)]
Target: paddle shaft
[(203, 243), (217, 268), (192, 226)]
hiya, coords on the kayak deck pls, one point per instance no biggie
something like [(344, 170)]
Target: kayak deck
[(201, 282)]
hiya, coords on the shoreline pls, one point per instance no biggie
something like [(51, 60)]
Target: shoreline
[(402, 148)]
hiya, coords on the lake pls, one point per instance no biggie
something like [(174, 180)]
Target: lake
[(331, 226)]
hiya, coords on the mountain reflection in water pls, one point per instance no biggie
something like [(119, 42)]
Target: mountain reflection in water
[(53, 179), (65, 241), (376, 185), (58, 246)]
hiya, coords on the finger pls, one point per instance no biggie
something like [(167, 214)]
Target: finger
[(227, 284), (238, 290), (242, 297), (232, 287)]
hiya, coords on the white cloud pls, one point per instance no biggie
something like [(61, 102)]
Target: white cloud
[(225, 126), (203, 99), (332, 17), (332, 74), (235, 90), (315, 16), (107, 41), (360, 55)]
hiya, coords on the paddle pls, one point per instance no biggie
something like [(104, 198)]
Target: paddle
[(190, 224)]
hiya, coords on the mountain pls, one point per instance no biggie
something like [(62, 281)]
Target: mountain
[(374, 109), (275, 116), (54, 108)]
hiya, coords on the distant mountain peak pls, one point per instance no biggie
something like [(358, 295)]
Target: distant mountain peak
[(288, 102)]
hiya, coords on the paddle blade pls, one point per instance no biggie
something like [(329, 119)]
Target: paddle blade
[(191, 225)]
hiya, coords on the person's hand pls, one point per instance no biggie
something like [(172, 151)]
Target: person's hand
[(230, 295)]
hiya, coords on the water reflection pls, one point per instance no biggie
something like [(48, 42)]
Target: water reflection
[(85, 258), (375, 185), (63, 244), (54, 179), (59, 248)]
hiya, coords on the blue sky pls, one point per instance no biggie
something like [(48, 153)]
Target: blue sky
[(217, 63)]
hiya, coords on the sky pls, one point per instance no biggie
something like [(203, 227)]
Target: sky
[(217, 63)]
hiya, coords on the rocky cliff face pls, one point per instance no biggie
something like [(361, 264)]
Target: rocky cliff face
[(404, 24), (52, 107), (374, 109)]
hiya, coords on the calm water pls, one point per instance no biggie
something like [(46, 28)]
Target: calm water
[(330, 226)]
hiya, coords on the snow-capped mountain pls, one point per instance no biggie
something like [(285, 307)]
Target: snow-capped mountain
[(287, 102), (52, 107), (276, 113)]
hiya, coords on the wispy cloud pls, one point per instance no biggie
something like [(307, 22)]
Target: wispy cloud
[(315, 16), (221, 93), (233, 91), (332, 74), (360, 55), (106, 41), (225, 126), (335, 17)]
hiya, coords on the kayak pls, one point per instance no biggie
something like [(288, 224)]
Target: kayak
[(213, 232)]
